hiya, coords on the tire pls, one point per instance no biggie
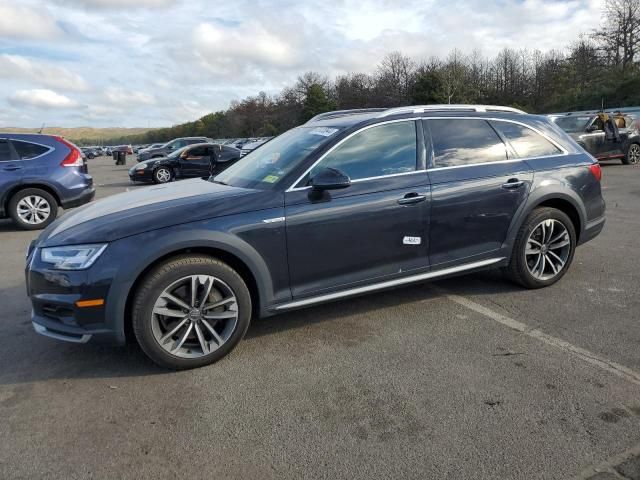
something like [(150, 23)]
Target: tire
[(33, 208), (162, 175), (159, 335), (633, 155), (537, 270)]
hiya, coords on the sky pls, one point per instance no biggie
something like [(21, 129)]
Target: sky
[(153, 63)]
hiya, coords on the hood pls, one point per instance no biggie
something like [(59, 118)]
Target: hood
[(150, 161), (151, 208)]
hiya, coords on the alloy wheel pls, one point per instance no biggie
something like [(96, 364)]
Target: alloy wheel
[(33, 209), (634, 154), (548, 249), (194, 316), (163, 175)]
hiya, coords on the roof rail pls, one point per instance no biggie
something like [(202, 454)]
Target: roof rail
[(344, 113), (447, 108)]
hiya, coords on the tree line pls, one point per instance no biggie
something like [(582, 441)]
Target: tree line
[(600, 68)]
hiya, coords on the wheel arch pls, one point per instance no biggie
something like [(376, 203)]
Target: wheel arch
[(23, 186), (241, 264), (563, 199)]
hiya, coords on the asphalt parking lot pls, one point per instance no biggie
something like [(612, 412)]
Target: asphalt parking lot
[(466, 378)]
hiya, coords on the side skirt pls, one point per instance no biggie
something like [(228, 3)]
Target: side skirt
[(388, 284)]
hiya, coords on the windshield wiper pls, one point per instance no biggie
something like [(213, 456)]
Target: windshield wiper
[(219, 182)]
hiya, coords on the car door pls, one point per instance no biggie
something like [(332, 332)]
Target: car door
[(595, 140), (476, 188), (224, 157), (195, 162), (373, 230), (11, 168)]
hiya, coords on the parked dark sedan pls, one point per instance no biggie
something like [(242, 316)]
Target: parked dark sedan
[(200, 160), (347, 204), (607, 137)]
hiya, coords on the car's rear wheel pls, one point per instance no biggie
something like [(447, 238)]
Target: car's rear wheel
[(162, 175), (191, 311), (543, 250), (633, 155), (33, 208)]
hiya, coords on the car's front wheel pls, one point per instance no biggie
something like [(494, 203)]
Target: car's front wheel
[(162, 175), (543, 250), (633, 155), (33, 208), (190, 311)]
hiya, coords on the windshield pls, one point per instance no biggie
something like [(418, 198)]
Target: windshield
[(573, 124), (265, 166)]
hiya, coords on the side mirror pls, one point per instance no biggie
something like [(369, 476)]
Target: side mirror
[(329, 179), (592, 128), (171, 147)]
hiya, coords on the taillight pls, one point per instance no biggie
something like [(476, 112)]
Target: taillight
[(74, 157), (596, 171)]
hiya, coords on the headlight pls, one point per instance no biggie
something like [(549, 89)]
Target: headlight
[(72, 257), (140, 166)]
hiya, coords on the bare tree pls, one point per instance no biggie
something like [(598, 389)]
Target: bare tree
[(619, 36)]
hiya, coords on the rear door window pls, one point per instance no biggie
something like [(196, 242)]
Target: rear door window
[(526, 142), (459, 142), (5, 151), (27, 150)]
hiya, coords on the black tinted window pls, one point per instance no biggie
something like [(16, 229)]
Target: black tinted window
[(28, 150), (5, 154), (383, 150), (464, 142), (197, 152), (525, 141)]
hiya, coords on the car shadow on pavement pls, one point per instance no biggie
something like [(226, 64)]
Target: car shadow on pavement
[(27, 357), (481, 283)]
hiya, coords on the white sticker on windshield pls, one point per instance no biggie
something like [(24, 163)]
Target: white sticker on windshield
[(324, 131)]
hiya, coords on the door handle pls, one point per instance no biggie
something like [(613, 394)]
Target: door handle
[(11, 168), (411, 198), (512, 184)]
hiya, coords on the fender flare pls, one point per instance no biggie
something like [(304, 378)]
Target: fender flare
[(160, 247), (556, 191)]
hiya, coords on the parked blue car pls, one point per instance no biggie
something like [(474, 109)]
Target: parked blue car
[(38, 174), (352, 202)]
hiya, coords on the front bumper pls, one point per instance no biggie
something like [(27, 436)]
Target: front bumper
[(140, 175), (55, 314)]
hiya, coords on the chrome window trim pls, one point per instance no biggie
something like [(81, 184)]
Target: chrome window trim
[(292, 188), (49, 149), (563, 150)]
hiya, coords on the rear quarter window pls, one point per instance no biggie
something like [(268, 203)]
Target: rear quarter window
[(27, 150), (525, 141)]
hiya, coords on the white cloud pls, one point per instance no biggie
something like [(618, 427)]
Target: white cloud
[(107, 4), (161, 62), (41, 73), (117, 96), (231, 50), (41, 98), (21, 22)]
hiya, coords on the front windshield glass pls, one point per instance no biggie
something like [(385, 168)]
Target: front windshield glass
[(266, 165), (573, 124)]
